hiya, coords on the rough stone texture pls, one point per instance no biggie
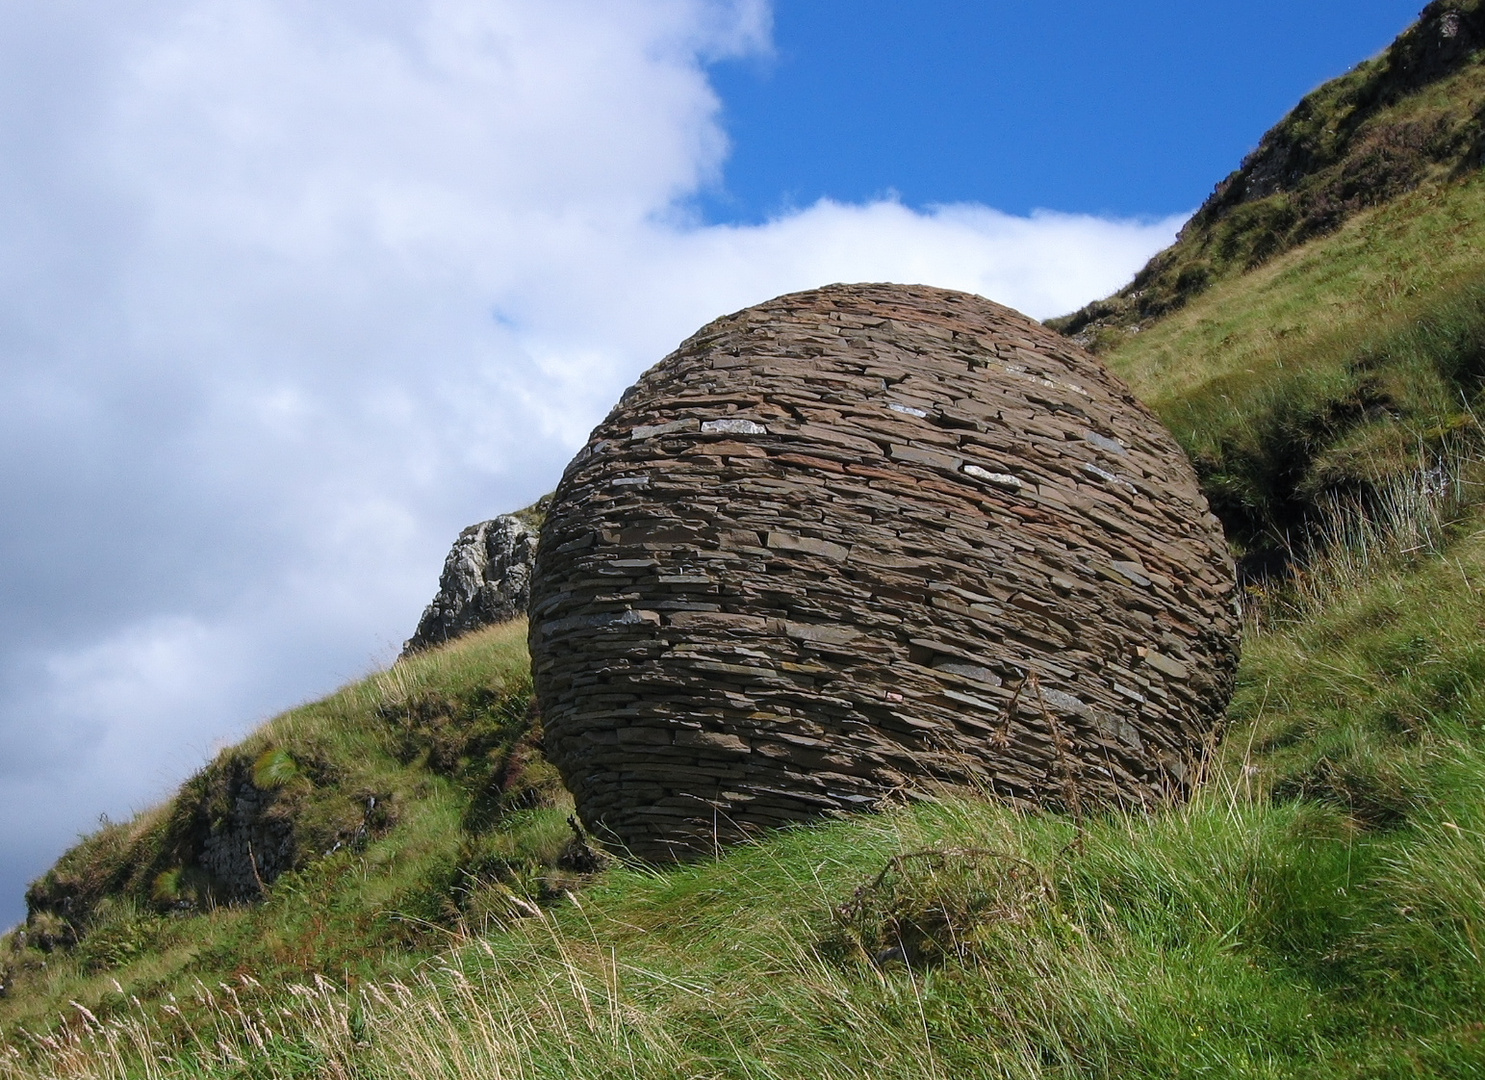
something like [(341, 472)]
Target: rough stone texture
[(863, 539), (486, 579), (241, 834)]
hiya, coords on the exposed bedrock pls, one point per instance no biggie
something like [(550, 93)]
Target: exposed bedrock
[(866, 539), (486, 579)]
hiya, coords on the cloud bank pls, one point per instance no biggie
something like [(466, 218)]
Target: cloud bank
[(290, 293)]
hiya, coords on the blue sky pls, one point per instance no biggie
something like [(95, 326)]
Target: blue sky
[(290, 293), (1131, 108)]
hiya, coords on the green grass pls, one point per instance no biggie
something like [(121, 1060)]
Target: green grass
[(1317, 910), (1405, 118), (1328, 370), (1377, 272), (466, 811)]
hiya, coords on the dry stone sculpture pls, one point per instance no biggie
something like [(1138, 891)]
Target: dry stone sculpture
[(861, 540), (486, 579)]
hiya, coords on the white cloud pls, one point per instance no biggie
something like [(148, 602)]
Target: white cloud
[(289, 293)]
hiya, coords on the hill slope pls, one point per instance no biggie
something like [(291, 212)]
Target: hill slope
[(1414, 114), (1316, 911), (1318, 327), (349, 836)]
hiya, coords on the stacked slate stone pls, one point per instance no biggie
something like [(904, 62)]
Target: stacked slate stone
[(863, 540)]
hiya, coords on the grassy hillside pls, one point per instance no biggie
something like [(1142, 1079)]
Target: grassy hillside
[(1409, 116), (1329, 369), (413, 802), (1317, 910)]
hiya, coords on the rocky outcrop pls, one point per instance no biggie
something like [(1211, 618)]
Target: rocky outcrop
[(240, 834), (232, 830), (486, 579), (863, 540)]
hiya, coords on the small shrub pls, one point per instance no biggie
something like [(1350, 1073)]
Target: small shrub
[(926, 907), (1369, 792), (274, 768), (121, 932)]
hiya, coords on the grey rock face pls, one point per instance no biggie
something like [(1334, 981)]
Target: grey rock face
[(249, 847), (486, 580)]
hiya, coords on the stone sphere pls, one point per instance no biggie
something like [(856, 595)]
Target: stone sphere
[(866, 540)]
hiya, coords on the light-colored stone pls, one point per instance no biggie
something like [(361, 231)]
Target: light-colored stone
[(486, 579)]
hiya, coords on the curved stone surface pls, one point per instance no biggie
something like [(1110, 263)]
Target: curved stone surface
[(861, 539)]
